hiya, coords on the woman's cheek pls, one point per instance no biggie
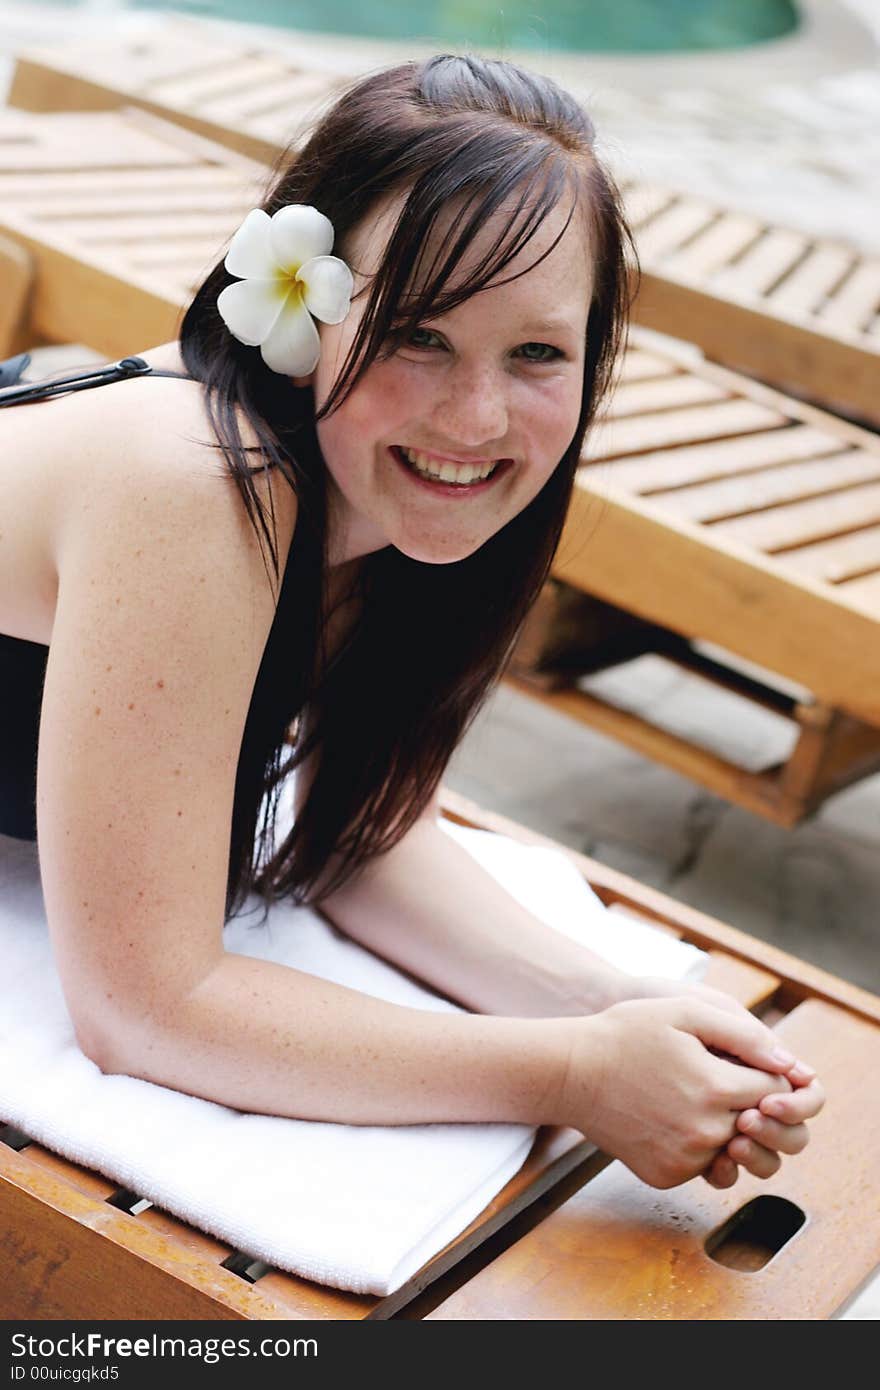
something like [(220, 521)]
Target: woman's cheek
[(550, 412)]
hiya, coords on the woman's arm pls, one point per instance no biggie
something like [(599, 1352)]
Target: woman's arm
[(430, 908), (162, 615)]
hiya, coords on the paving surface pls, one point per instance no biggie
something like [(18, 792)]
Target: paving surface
[(802, 147)]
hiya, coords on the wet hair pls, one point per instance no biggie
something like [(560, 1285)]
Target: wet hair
[(379, 721)]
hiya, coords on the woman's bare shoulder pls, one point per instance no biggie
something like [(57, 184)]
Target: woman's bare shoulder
[(113, 448)]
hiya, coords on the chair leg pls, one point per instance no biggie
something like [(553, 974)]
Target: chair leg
[(833, 750), (17, 280)]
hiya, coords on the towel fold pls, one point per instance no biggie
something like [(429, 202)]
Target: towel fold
[(357, 1207)]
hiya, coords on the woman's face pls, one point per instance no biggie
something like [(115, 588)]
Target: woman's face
[(494, 385)]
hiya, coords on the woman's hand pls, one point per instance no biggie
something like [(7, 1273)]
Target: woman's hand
[(763, 1135), (645, 1083)]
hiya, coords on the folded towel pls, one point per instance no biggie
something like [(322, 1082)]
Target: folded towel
[(357, 1207)]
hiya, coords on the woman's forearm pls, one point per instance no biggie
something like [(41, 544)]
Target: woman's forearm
[(262, 1037), (430, 908)]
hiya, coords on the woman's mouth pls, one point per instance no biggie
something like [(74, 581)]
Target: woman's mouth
[(445, 476)]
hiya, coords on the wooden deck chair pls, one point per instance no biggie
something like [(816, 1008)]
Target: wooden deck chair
[(711, 509), (798, 311), (253, 99), (120, 215), (573, 1235)]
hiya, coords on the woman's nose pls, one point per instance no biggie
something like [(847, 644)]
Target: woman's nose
[(473, 411)]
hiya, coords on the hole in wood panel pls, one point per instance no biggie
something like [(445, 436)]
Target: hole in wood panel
[(245, 1266), (14, 1138), (125, 1200), (750, 1238)]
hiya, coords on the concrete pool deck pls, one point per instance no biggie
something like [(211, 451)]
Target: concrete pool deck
[(804, 149)]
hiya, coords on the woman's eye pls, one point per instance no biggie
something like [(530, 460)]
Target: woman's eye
[(423, 338), (539, 352)]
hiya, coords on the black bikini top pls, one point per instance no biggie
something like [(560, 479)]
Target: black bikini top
[(11, 370)]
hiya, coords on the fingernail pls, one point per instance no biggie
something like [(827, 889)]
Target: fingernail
[(803, 1070), (750, 1121), (773, 1107)]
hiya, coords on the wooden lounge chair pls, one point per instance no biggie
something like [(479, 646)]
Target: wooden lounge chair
[(711, 509), (798, 311), (119, 215), (253, 99), (598, 1243)]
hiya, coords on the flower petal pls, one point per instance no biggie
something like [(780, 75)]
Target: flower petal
[(298, 233), (250, 308), (327, 285), (250, 251), (293, 346)]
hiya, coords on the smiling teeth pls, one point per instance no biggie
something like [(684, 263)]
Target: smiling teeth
[(448, 472)]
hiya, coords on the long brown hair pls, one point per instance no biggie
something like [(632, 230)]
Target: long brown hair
[(384, 716)]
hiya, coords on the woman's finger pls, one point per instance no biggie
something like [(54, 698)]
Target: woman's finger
[(799, 1105), (771, 1134), (722, 1171), (743, 1087), (739, 1035), (761, 1162)]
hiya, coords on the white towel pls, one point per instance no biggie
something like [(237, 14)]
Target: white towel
[(357, 1207)]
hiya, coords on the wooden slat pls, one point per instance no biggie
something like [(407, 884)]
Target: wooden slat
[(675, 427), (765, 263), (217, 81), (222, 205), (748, 983), (816, 276), (801, 522), (639, 365), (771, 487), (715, 247), (644, 201), (673, 227), (116, 232), (619, 1249), (856, 302), (64, 190), (145, 63), (865, 591), (288, 96), (844, 557), (665, 393), (695, 463), (88, 141)]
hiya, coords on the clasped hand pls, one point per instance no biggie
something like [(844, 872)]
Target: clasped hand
[(684, 1081)]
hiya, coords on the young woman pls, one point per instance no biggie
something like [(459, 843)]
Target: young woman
[(332, 536)]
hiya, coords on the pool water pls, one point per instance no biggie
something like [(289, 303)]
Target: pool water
[(589, 26)]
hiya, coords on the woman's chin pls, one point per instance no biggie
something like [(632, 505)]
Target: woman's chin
[(428, 553)]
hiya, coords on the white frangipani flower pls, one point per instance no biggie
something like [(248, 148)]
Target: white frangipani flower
[(287, 276)]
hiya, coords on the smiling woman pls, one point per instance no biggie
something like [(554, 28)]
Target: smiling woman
[(330, 584), (463, 195)]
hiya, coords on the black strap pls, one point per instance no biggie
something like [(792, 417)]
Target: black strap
[(80, 381), (12, 368)]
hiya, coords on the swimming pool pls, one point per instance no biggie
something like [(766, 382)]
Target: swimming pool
[(594, 26)]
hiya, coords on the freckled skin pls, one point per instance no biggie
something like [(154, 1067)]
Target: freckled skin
[(475, 397)]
